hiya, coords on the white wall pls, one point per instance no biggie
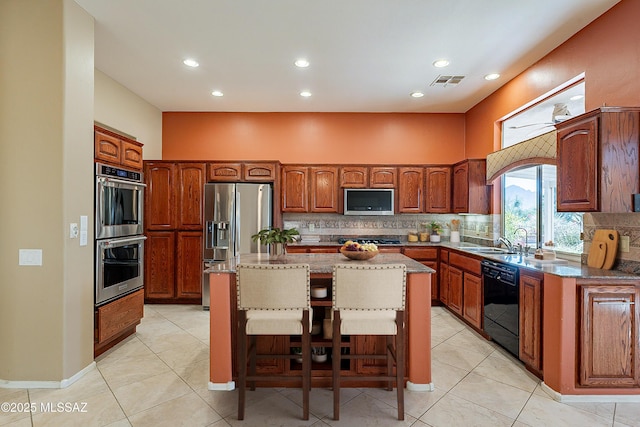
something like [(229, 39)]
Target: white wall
[(119, 108)]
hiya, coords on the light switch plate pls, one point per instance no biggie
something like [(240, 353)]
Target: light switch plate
[(624, 243), (30, 257)]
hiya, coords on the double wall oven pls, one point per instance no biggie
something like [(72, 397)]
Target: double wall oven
[(119, 251)]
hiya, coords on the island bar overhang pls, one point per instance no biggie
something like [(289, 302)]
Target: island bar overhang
[(222, 284)]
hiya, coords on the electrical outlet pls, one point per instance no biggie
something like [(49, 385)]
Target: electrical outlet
[(312, 226), (624, 243), (73, 230)]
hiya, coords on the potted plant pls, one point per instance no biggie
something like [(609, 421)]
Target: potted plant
[(276, 238), (436, 228)]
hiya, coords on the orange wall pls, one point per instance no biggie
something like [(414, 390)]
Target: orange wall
[(607, 51), (383, 138)]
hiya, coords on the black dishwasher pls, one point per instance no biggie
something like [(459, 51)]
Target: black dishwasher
[(501, 298)]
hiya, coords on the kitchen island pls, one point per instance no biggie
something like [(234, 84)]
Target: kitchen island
[(223, 317)]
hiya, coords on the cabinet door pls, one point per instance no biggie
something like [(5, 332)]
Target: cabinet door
[(131, 155), (530, 307), (295, 196), (160, 200), (411, 190), (443, 277), (107, 148), (189, 264), (159, 250), (259, 172), (438, 190), (609, 341), (382, 177), (455, 290), (577, 168), (461, 188), (434, 279), (354, 177), (224, 172), (472, 300), (324, 189), (190, 189)]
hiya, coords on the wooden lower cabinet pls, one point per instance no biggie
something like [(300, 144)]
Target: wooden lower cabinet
[(427, 256), (530, 307), (472, 299), (443, 279), (609, 339), (117, 320), (455, 289), (173, 267)]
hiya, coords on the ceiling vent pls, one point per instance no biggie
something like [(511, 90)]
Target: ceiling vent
[(446, 80)]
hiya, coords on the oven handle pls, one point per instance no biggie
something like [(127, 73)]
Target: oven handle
[(109, 243), (122, 182)]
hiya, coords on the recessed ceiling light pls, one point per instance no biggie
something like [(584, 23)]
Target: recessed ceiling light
[(305, 93), (217, 93), (190, 62), (301, 63), (417, 94), (440, 63), (492, 76), (576, 97)]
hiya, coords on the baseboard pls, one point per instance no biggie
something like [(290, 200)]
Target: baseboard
[(231, 385), (590, 398), (48, 384)]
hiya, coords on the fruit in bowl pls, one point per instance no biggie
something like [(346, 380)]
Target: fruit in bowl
[(355, 250)]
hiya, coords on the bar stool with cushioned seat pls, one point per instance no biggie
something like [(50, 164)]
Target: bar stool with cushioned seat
[(272, 300), (370, 300)]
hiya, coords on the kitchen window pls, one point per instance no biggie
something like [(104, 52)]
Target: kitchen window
[(529, 193)]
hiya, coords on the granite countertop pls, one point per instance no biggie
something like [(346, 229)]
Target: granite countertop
[(318, 263), (563, 268)]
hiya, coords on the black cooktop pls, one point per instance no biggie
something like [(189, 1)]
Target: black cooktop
[(375, 240)]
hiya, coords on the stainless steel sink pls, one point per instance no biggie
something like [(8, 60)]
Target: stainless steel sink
[(485, 250)]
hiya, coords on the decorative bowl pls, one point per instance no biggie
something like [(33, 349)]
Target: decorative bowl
[(358, 255)]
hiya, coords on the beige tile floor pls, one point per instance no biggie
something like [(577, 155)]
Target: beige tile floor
[(159, 376)]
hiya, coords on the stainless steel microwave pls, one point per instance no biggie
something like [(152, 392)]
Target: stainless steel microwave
[(370, 201)]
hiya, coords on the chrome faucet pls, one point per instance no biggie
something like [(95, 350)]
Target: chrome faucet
[(523, 249), (507, 243)]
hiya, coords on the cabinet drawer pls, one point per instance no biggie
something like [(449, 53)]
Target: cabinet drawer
[(469, 264), (119, 315), (421, 253)]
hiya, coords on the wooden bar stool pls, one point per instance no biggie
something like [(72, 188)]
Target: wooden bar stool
[(370, 300), (272, 300)]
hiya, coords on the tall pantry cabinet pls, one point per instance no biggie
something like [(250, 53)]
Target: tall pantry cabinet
[(173, 226)]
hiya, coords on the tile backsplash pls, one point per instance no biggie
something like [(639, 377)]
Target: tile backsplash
[(627, 224), (329, 227)]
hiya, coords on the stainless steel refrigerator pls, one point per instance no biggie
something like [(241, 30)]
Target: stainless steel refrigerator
[(232, 214)]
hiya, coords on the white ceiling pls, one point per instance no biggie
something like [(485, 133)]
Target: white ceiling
[(365, 55)]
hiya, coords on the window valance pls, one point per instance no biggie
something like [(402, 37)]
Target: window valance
[(535, 151)]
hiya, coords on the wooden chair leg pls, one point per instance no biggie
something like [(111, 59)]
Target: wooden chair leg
[(242, 365), (253, 350), (306, 364), (400, 363), (336, 356), (389, 352)]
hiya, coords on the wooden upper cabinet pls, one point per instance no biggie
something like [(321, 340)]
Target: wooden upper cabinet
[(354, 177), (259, 172), (597, 161), (107, 147), (190, 189), (324, 189), (160, 201), (383, 177), (117, 150), (438, 189), (410, 190), (609, 336), (471, 194), (225, 172), (295, 188)]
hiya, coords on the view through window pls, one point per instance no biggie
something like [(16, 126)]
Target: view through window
[(529, 194)]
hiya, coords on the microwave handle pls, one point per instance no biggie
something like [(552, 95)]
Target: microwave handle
[(121, 181)]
